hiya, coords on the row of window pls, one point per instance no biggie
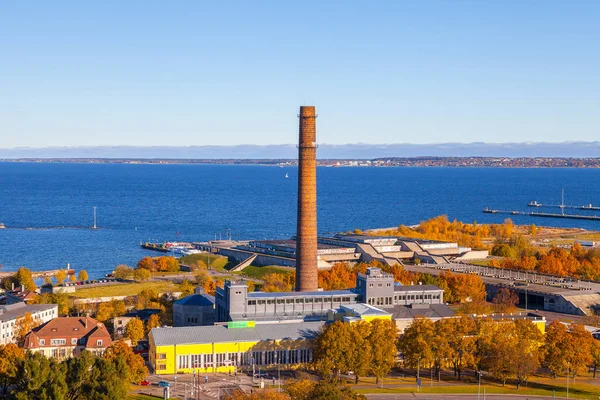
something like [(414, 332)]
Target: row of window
[(274, 357), (308, 300), (74, 341), (401, 299)]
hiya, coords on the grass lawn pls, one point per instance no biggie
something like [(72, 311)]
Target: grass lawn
[(536, 387), (125, 289), (216, 262), (258, 272)]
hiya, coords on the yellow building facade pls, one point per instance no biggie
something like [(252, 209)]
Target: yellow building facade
[(222, 348)]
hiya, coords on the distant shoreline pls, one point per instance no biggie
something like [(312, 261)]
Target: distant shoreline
[(463, 162)]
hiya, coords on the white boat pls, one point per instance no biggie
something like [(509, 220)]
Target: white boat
[(286, 175)]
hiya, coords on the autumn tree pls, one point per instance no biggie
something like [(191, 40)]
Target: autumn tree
[(135, 363), (339, 276), (440, 347), (276, 282), (416, 343), (153, 322), (141, 275), (462, 342), (135, 330), (123, 272), (579, 349), (361, 357), (60, 276), (595, 355), (10, 354), (300, 389), (83, 275), (529, 340), (61, 299), (383, 347), (147, 263), (555, 347), (333, 350), (23, 326), (502, 352), (186, 288), (505, 301), (23, 277)]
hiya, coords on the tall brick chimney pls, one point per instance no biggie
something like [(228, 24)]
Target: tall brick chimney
[(306, 235)]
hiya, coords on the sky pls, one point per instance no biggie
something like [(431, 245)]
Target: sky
[(156, 73)]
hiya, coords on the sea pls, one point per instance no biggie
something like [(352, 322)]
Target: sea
[(48, 208)]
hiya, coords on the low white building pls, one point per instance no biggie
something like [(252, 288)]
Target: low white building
[(9, 314)]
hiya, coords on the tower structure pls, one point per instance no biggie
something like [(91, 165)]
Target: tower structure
[(306, 234)]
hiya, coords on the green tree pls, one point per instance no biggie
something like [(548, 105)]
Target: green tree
[(10, 355), (141, 275), (60, 276), (79, 374), (39, 378), (109, 380), (135, 330), (382, 339), (23, 277), (83, 275)]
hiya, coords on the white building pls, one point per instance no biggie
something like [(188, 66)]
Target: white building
[(9, 314)]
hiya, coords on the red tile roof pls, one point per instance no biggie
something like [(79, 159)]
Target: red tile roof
[(69, 328)]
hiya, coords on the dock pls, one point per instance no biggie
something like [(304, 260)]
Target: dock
[(587, 207), (542, 214)]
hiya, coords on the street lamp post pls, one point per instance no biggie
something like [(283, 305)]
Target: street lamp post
[(478, 385)]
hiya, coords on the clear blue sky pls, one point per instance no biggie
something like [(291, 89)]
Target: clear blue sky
[(207, 72)]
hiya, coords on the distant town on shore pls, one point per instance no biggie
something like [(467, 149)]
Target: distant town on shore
[(499, 162)]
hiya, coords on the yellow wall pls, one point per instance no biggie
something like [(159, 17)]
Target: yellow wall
[(173, 352)]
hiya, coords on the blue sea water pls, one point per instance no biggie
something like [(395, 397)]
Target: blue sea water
[(196, 202)]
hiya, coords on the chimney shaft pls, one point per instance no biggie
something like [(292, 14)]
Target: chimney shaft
[(306, 235)]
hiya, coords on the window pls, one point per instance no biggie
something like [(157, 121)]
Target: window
[(336, 299), (58, 342), (98, 342), (162, 367), (299, 300), (261, 302), (308, 300), (42, 342), (184, 362), (289, 301), (318, 300), (251, 302), (270, 301), (73, 340), (280, 301)]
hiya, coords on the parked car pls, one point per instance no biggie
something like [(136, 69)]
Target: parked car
[(144, 383), (164, 384)]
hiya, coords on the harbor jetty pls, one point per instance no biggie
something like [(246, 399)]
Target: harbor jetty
[(37, 274), (543, 214), (586, 207)]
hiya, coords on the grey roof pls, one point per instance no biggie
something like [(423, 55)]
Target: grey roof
[(415, 288), (197, 300), (220, 333), (14, 311), (264, 295), (433, 311)]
